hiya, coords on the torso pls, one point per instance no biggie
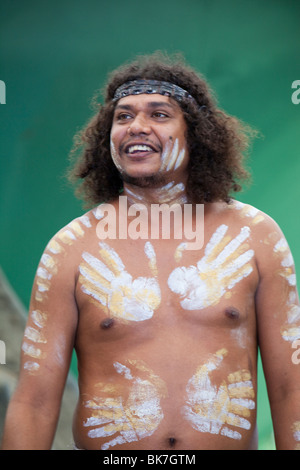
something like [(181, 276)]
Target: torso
[(162, 369)]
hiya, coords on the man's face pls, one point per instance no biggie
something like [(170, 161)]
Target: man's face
[(148, 139)]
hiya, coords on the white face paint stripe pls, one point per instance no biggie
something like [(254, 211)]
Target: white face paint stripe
[(180, 159), (166, 155), (173, 156)]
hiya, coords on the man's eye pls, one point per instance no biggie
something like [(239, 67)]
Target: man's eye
[(123, 117), (160, 115)]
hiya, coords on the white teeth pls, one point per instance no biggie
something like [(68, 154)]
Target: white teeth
[(139, 148)]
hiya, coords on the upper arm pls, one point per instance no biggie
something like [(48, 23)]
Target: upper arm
[(278, 320), (277, 302), (52, 320)]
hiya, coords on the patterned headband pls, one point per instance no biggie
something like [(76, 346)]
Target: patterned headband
[(138, 87)]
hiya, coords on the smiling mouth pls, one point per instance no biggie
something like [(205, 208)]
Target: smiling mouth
[(139, 149)]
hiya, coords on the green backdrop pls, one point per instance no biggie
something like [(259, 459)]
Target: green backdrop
[(55, 54)]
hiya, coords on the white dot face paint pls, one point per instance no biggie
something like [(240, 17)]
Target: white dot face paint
[(225, 262), (219, 409), (107, 281), (118, 419)]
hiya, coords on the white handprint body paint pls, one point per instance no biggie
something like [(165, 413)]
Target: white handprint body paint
[(224, 264), (212, 409), (113, 287), (127, 419)]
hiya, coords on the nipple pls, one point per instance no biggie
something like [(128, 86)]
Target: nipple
[(232, 313), (107, 323)]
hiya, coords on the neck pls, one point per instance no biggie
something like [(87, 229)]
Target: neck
[(170, 193)]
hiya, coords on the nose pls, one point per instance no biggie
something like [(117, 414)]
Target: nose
[(138, 126)]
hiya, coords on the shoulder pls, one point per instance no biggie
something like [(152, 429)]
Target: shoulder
[(75, 234), (267, 237), (259, 222)]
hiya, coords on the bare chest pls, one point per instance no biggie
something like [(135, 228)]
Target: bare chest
[(136, 281)]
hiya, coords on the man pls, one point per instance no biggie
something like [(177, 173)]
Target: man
[(166, 330)]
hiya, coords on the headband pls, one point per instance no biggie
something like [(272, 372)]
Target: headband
[(138, 87)]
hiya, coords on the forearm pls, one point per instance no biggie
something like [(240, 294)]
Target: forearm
[(286, 421), (28, 427)]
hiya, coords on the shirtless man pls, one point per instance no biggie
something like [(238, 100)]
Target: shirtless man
[(166, 335)]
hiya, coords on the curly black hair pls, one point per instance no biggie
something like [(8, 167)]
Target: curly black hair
[(217, 142)]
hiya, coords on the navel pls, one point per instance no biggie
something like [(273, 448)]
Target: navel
[(172, 441), (107, 323)]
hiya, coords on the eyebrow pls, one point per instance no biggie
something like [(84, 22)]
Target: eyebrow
[(151, 104)]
